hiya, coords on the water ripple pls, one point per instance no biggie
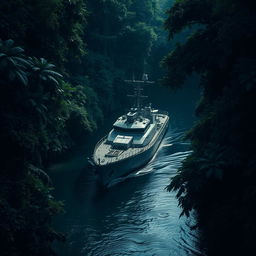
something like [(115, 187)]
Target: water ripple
[(136, 216)]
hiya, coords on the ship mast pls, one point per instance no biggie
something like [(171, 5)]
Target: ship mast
[(138, 84)]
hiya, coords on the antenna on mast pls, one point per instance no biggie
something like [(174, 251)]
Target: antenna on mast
[(144, 66), (138, 89)]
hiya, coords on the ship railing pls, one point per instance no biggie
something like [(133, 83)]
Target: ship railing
[(98, 144)]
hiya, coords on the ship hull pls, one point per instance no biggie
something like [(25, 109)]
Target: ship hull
[(122, 168)]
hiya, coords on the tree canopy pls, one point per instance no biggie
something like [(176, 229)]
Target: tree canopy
[(62, 70), (218, 178)]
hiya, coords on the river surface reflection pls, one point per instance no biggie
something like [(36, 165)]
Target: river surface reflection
[(135, 216)]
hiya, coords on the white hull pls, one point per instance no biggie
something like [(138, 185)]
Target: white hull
[(111, 171)]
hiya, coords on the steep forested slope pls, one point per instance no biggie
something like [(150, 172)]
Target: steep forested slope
[(62, 65), (218, 179)]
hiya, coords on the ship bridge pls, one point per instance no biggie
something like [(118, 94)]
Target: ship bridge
[(141, 131), (117, 145), (139, 124)]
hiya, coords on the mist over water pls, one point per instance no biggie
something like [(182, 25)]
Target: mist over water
[(135, 215)]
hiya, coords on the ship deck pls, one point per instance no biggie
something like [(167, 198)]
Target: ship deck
[(104, 154)]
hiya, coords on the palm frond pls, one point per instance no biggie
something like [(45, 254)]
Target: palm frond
[(53, 73), (53, 79), (50, 66), (12, 61), (35, 68), (43, 61), (21, 60), (17, 50), (22, 77)]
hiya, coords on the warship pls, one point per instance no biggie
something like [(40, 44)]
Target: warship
[(133, 140)]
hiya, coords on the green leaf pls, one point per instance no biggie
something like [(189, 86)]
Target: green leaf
[(22, 77), (53, 79)]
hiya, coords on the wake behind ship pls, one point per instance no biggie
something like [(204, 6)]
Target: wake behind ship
[(133, 141)]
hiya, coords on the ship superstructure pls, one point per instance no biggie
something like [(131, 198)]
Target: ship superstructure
[(133, 140)]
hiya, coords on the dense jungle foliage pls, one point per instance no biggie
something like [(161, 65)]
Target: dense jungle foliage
[(219, 178), (62, 66)]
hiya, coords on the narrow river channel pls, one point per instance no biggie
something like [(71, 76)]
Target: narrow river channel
[(136, 216)]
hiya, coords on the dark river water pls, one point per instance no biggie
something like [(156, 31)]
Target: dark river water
[(136, 215)]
